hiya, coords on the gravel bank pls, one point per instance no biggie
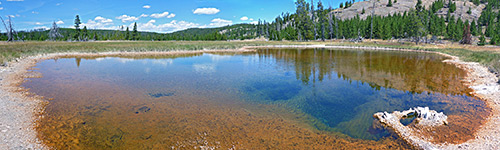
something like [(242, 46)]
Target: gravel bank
[(18, 113), (485, 86)]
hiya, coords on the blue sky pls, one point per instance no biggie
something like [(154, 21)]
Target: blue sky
[(151, 15)]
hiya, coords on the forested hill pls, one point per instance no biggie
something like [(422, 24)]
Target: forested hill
[(233, 32), (464, 9)]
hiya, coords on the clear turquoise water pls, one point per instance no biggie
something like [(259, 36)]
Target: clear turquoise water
[(339, 89)]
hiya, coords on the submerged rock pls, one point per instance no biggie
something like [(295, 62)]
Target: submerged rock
[(159, 95), (143, 109), (423, 118)]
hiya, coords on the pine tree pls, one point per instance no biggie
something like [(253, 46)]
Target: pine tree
[(85, 34), (313, 21), (77, 27), (363, 11), (77, 23), (476, 2), (389, 4), (473, 28), (418, 6), (450, 29), (495, 38), (437, 5), (469, 11), (482, 40), (452, 6), (387, 31), (448, 16), (418, 30), (322, 20), (95, 37), (303, 21), (127, 34), (458, 30), (490, 29), (134, 32)]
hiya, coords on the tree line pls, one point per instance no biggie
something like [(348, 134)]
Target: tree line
[(312, 21)]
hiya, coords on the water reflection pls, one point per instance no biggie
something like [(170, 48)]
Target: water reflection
[(407, 71), (342, 89)]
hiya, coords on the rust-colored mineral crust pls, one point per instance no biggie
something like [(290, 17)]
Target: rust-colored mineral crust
[(485, 86)]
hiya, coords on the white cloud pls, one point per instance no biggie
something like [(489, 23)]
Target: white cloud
[(218, 58), (60, 22), (163, 62), (244, 18), (206, 11), (143, 15), (218, 22), (1, 8), (158, 15), (99, 23), (126, 18), (42, 27), (59, 4), (146, 6), (103, 20), (38, 23), (171, 16), (34, 12), (167, 27), (204, 68)]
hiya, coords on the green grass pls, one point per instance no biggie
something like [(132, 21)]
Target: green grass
[(9, 51)]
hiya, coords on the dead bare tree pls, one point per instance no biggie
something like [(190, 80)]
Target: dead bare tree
[(9, 29), (54, 32), (467, 38), (330, 21), (371, 25)]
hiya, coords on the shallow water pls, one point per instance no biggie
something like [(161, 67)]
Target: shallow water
[(272, 98)]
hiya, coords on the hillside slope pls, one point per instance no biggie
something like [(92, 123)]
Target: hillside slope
[(231, 32), (381, 8)]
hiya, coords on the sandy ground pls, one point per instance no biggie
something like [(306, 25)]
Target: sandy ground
[(18, 112)]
